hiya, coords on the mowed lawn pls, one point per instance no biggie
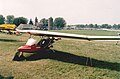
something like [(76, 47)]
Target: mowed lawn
[(68, 61)]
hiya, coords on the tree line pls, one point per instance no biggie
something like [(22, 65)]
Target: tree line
[(57, 23), (97, 26)]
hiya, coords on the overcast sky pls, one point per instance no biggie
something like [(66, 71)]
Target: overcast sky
[(73, 11)]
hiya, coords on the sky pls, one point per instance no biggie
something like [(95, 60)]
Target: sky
[(73, 11)]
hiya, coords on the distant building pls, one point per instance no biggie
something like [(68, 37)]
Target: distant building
[(50, 23), (27, 27), (36, 21)]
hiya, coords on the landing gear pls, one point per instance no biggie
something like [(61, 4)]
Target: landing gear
[(9, 32), (18, 56)]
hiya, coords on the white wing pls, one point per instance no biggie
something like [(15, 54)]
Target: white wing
[(66, 35)]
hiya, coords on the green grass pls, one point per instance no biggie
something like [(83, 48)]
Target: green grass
[(90, 32), (67, 62)]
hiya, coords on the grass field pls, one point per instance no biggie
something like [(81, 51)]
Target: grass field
[(67, 62)]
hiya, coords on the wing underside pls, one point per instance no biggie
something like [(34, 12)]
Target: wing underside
[(66, 35)]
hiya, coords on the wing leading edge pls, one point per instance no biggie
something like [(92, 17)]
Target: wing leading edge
[(66, 35)]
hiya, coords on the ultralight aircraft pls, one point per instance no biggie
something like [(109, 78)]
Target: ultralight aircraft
[(48, 38)]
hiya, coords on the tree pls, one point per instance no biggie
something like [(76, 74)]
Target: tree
[(96, 26), (91, 25), (118, 26), (44, 23), (109, 27), (10, 19), (81, 26), (104, 25), (20, 20), (2, 19), (59, 23), (31, 22)]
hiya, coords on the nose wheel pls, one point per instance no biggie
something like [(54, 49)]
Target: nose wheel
[(19, 56)]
